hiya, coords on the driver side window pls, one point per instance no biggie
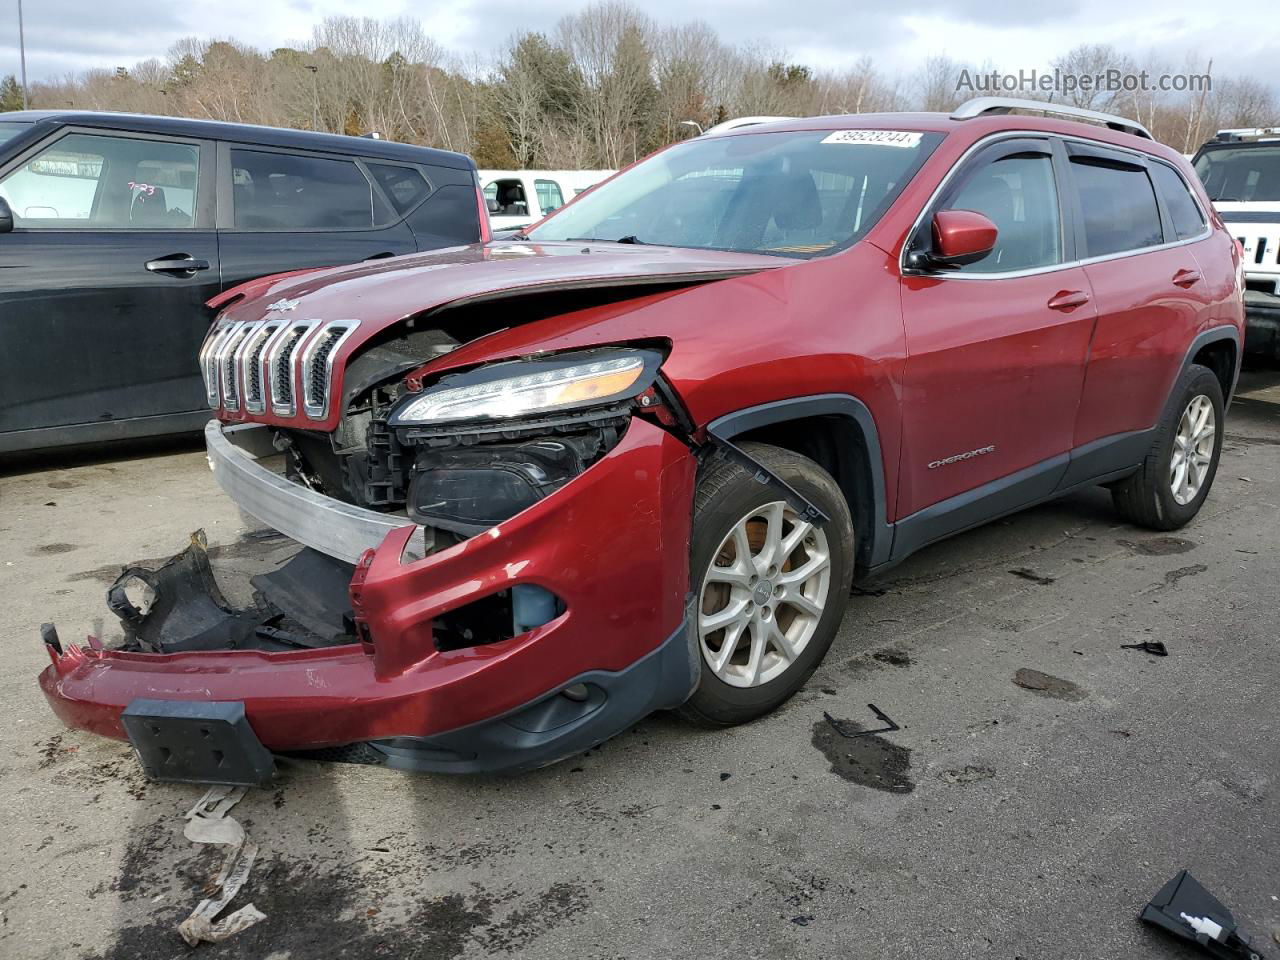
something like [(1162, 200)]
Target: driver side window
[(1018, 194), (105, 182)]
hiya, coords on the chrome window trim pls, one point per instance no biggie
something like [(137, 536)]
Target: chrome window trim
[(348, 327), (307, 327), (906, 271)]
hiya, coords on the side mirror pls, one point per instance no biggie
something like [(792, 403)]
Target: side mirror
[(492, 206), (960, 237), (6, 217)]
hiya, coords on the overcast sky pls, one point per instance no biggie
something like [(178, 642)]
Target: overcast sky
[(1242, 36)]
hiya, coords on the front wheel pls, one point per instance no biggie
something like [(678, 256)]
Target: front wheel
[(771, 587), (1174, 480)]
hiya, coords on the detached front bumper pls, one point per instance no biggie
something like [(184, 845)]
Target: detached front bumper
[(612, 544)]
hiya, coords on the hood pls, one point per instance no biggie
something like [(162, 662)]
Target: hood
[(1234, 211), (377, 295), (382, 292)]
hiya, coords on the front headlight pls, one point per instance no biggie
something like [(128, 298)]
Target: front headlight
[(521, 388)]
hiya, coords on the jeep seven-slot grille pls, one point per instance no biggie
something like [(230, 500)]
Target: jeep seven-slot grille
[(258, 364), (1265, 250), (229, 375), (317, 372), (317, 366), (255, 344), (280, 359), (209, 368)]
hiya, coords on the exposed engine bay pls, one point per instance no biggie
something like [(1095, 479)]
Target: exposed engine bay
[(458, 480)]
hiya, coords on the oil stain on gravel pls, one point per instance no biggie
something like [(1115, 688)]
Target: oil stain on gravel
[(895, 658), (868, 761), (1158, 546), (1046, 685), (328, 907)]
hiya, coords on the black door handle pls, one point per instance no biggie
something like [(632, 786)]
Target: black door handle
[(177, 263)]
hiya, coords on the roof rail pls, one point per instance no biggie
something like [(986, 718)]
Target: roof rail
[(1248, 133), (980, 105)]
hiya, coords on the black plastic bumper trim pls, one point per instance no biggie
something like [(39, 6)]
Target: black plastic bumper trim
[(553, 727)]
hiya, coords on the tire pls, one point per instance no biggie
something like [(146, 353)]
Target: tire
[(1148, 498), (730, 500)]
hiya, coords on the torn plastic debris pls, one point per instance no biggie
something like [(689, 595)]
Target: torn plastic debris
[(207, 822), (1153, 647), (851, 734), (1187, 910), (179, 607)]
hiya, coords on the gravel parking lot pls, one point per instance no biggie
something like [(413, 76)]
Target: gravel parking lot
[(1000, 821)]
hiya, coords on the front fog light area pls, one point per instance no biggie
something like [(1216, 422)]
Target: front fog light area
[(499, 616)]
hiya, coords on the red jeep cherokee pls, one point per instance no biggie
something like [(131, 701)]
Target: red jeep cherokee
[(633, 458)]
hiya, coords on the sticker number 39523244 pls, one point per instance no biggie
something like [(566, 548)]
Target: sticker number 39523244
[(884, 138)]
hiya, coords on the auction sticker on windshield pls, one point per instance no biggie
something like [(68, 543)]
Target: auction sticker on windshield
[(886, 138)]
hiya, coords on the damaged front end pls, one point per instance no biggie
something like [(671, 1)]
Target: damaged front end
[(458, 593)]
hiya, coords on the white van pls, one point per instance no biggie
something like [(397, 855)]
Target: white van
[(518, 198)]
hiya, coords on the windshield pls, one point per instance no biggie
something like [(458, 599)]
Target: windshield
[(1241, 174), (798, 194), (11, 128)]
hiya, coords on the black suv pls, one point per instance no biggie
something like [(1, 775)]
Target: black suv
[(115, 230)]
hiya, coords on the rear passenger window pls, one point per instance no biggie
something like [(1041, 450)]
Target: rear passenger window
[(1119, 204), (283, 191), (1017, 194), (406, 187), (1183, 210)]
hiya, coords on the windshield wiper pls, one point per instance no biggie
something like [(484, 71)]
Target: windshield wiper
[(1225, 199), (630, 238)]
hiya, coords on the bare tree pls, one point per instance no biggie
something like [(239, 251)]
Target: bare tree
[(607, 86), (936, 84)]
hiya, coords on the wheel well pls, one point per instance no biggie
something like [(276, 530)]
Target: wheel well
[(836, 444), (1220, 357)]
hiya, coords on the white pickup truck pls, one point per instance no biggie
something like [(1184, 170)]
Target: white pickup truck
[(1241, 171), (518, 198)]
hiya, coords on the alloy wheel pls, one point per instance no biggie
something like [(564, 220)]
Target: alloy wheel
[(763, 595), (1192, 449)]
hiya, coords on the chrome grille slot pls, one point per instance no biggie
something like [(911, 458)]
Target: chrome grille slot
[(209, 363), (224, 363), (279, 357), (317, 366), (249, 360)]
